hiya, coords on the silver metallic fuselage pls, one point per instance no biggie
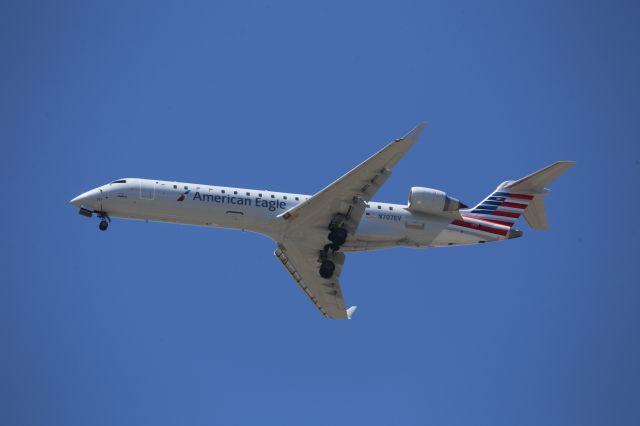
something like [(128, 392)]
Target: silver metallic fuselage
[(383, 225)]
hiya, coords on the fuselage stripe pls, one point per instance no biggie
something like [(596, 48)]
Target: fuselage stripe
[(489, 216), (497, 222), (479, 227)]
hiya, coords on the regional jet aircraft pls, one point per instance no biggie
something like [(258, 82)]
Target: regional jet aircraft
[(312, 233)]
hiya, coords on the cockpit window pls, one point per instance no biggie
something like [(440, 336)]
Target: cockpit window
[(120, 181)]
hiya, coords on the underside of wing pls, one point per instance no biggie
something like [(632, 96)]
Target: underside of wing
[(301, 263), (309, 248)]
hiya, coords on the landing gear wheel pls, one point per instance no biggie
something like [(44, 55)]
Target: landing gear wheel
[(338, 236), (326, 269), (103, 225), (333, 247)]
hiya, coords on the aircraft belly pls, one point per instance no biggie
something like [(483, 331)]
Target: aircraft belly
[(377, 231), (374, 230), (451, 237), (374, 233), (213, 215)]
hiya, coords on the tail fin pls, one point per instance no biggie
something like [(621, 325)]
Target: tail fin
[(524, 196)]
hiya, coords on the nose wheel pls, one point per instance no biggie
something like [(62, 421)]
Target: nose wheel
[(104, 221)]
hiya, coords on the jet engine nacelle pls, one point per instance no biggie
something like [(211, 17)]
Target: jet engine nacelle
[(434, 201)]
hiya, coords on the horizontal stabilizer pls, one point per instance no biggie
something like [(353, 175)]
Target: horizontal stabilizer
[(535, 184), (537, 181)]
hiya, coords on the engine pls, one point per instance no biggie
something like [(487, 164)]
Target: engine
[(433, 201)]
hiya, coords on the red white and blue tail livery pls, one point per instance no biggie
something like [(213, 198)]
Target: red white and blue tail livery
[(502, 207), (313, 233), (496, 215)]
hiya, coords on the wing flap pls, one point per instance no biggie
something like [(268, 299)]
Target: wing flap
[(342, 204), (325, 294)]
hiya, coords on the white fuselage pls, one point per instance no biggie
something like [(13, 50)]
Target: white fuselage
[(383, 224)]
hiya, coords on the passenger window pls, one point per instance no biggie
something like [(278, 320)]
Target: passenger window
[(259, 195), (223, 191), (390, 208), (248, 194), (273, 196), (379, 207), (175, 186), (297, 198), (186, 187), (285, 197)]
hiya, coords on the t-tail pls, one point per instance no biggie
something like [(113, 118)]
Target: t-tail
[(525, 196)]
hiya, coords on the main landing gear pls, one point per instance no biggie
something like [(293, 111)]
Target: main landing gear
[(337, 236), (326, 268)]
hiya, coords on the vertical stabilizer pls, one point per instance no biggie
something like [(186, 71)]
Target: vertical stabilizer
[(536, 215)]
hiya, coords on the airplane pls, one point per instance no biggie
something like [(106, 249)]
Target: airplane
[(312, 233)]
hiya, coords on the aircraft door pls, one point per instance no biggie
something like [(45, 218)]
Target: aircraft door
[(147, 190), (99, 199)]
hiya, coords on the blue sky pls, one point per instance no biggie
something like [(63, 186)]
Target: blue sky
[(160, 324)]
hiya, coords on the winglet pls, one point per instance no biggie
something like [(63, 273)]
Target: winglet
[(350, 311), (407, 141), (414, 134)]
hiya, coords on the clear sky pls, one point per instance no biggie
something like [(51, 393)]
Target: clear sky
[(173, 325)]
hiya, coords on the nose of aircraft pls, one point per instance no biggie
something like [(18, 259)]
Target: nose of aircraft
[(87, 199)]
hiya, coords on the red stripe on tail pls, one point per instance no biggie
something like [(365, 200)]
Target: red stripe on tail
[(506, 214), (513, 205)]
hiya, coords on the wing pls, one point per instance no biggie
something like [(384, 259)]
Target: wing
[(345, 199), (304, 244), (302, 264)]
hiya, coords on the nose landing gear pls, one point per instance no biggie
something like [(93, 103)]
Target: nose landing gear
[(104, 221)]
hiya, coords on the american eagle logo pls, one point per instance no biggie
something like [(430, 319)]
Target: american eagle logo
[(181, 197)]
